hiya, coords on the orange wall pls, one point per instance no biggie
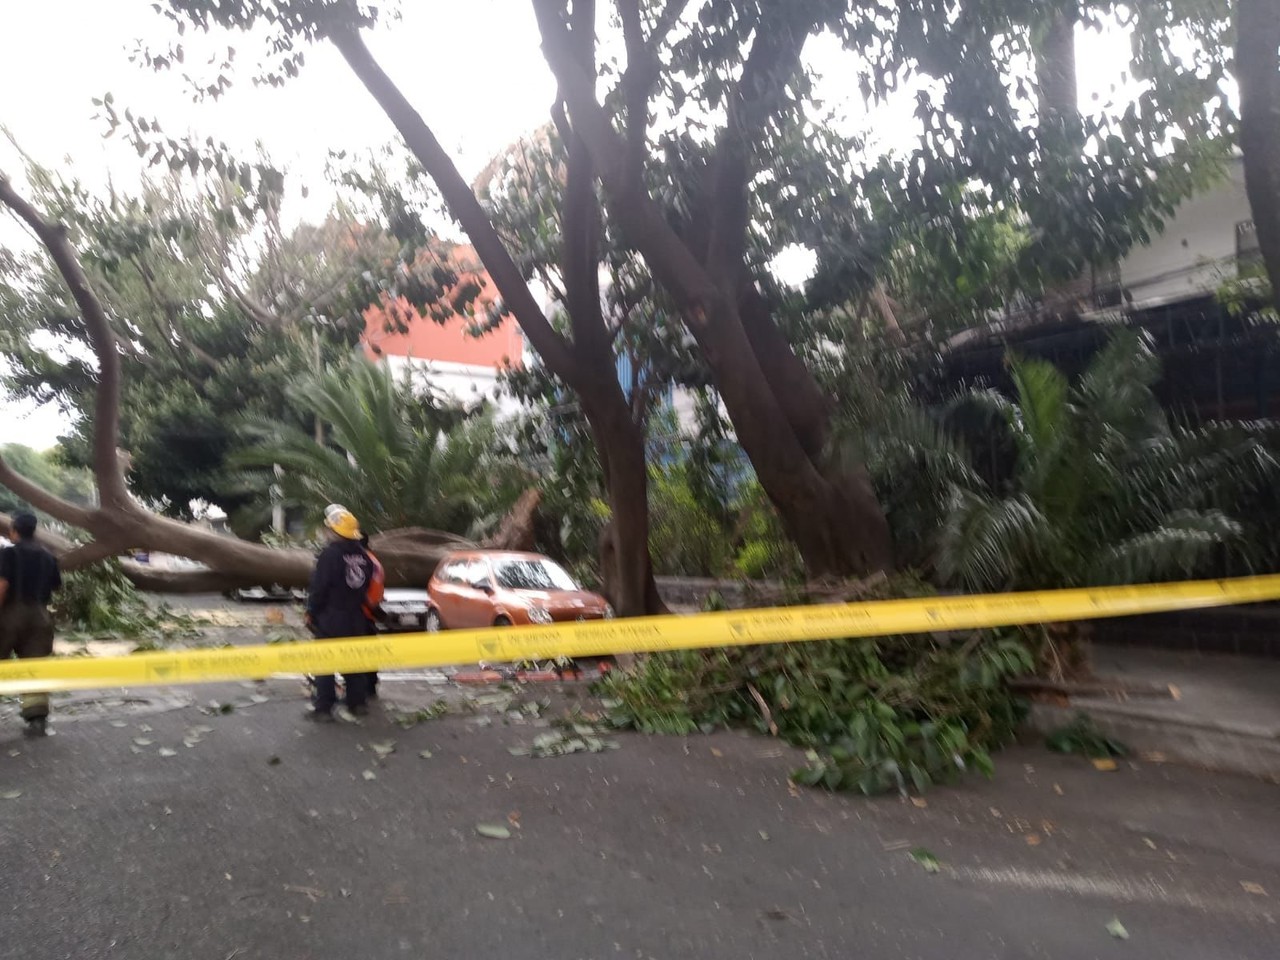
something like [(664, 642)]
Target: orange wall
[(447, 342)]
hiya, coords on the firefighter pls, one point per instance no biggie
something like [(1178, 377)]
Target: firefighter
[(336, 607)]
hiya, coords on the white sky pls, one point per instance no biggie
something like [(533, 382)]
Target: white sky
[(472, 68)]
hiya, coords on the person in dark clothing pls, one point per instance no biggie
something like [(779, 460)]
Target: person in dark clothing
[(29, 575), (335, 607)]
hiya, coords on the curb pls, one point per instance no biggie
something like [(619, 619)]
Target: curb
[(1207, 745)]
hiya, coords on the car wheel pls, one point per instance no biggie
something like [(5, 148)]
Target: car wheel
[(503, 621), (432, 622)]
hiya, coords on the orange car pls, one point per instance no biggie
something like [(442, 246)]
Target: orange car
[(483, 588)]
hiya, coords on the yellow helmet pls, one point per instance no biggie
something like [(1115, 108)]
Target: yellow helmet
[(341, 521)]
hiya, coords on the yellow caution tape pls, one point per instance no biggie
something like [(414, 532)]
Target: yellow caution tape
[(638, 635)]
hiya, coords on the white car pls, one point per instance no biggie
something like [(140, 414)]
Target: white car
[(405, 608)]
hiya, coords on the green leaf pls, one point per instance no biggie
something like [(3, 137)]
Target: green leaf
[(494, 831), (926, 859)]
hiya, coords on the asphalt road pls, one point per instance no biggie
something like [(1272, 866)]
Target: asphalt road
[(272, 838)]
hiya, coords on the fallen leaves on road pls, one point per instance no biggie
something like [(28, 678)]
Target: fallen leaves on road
[(558, 744), (926, 859), (141, 742), (311, 893), (494, 831), (1255, 888), (425, 754), (10, 795), (383, 749), (1105, 764), (166, 752), (369, 775), (1117, 930)]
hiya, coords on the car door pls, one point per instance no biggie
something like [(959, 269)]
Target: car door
[(476, 594), (445, 594)]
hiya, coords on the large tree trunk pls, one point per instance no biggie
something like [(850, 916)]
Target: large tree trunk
[(586, 363), (1258, 74), (1053, 43), (409, 558), (777, 410), (831, 513), (625, 564)]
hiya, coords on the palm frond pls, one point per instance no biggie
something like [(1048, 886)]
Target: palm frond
[(986, 543), (1178, 547), (384, 456)]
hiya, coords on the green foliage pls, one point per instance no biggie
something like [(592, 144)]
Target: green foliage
[(101, 602), (685, 539), (212, 329), (915, 462), (1103, 489), (764, 551), (891, 713), (393, 454), (48, 470), (1082, 736)]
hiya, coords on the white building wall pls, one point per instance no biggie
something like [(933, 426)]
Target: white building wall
[(462, 382), (1196, 251)]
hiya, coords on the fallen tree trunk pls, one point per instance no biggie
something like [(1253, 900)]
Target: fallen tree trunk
[(409, 558), (120, 524)]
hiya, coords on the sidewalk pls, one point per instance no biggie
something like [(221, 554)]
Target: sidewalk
[(1223, 714)]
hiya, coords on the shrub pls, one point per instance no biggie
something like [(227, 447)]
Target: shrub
[(874, 714)]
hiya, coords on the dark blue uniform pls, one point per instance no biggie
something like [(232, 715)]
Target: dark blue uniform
[(335, 608)]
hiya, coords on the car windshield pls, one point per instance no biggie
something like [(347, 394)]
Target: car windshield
[(532, 575)]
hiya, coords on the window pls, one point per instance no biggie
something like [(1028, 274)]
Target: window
[(533, 575)]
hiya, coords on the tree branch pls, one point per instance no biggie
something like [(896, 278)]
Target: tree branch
[(461, 201), (770, 65), (106, 417), (87, 554), (580, 216), (643, 68), (666, 253)]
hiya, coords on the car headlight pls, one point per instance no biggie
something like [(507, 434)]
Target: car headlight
[(608, 612), (539, 615)]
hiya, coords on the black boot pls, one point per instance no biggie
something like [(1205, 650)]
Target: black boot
[(37, 727)]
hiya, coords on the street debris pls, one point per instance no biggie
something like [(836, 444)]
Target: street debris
[(558, 743), (494, 831), (1117, 930), (926, 859)]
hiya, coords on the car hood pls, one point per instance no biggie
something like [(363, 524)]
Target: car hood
[(559, 598)]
